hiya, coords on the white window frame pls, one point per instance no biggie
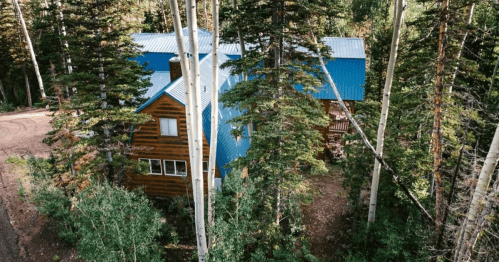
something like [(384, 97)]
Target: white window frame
[(150, 166), (169, 133), (175, 167)]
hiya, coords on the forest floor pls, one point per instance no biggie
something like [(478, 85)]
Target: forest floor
[(327, 218), (28, 235)]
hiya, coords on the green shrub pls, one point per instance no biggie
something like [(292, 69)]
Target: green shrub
[(240, 235), (108, 223), (15, 159), (6, 107), (181, 205), (40, 169), (114, 224), (169, 232), (52, 202)]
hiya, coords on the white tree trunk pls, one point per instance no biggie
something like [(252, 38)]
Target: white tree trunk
[(469, 9), (493, 79), (466, 246), (163, 14), (65, 42), (184, 64), (214, 121), (205, 15), (197, 173), (30, 47), (397, 24), (102, 87), (28, 88), (2, 91), (413, 199)]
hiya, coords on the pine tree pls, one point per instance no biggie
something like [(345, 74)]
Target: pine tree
[(109, 87), (285, 144)]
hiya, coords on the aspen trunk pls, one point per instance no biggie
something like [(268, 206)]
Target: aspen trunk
[(397, 24), (197, 173), (28, 89), (466, 245), (493, 78), (184, 64), (437, 122), (469, 10), (404, 188), (65, 42), (163, 14), (205, 15), (2, 91), (14, 91), (30, 47), (214, 121), (103, 93)]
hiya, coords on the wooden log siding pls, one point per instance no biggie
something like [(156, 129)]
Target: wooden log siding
[(165, 148)]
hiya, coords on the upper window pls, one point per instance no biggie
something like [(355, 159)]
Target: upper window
[(205, 166), (154, 166), (168, 126), (175, 168)]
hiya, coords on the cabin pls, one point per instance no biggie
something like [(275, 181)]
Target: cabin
[(162, 143)]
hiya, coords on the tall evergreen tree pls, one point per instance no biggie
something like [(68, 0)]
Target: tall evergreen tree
[(109, 85), (285, 143)]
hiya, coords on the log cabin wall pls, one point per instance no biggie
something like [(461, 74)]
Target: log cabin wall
[(148, 143)]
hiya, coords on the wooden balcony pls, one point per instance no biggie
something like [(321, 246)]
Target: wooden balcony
[(339, 126)]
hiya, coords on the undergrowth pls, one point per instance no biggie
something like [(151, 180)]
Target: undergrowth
[(107, 223)]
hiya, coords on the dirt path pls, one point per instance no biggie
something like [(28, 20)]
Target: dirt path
[(34, 238), (326, 218)]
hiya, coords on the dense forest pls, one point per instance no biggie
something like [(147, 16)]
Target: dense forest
[(419, 165)]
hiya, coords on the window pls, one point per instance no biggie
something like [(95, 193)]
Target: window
[(175, 168), (154, 166), (168, 126), (205, 166)]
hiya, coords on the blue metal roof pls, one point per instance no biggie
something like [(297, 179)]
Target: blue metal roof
[(228, 148), (158, 61), (166, 43), (342, 47), (176, 88), (185, 31), (349, 77), (159, 80)]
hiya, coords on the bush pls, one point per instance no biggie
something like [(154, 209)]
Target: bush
[(16, 160), (6, 107), (108, 223), (241, 236), (114, 224), (52, 202)]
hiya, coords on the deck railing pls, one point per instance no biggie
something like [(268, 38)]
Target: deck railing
[(339, 125)]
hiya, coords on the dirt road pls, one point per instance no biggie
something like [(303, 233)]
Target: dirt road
[(23, 132), (25, 235)]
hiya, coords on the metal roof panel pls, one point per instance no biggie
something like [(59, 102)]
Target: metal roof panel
[(341, 47)]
